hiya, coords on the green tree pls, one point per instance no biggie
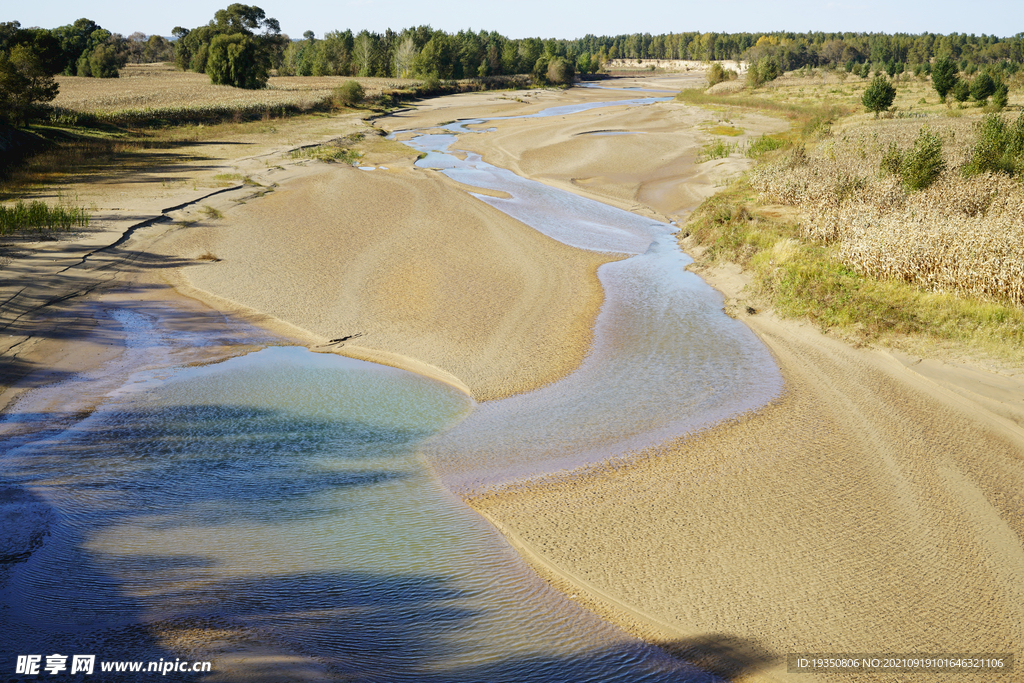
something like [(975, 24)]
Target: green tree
[(879, 95), (944, 77), (999, 148), (1001, 97), (560, 71), (29, 58), (74, 40), (237, 60), (962, 90), (101, 61), (982, 87), (924, 163), (25, 80), (194, 48)]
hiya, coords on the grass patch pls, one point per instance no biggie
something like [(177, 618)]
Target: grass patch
[(716, 149), (807, 116), (39, 216), (328, 153), (764, 144), (730, 131), (211, 212)]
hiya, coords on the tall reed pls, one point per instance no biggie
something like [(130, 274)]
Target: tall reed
[(38, 216)]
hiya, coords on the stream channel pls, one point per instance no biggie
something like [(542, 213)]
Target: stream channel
[(302, 504)]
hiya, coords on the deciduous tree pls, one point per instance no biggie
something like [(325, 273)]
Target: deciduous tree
[(237, 60)]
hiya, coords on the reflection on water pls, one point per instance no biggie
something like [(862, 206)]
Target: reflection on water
[(281, 495), (285, 502), (666, 360)]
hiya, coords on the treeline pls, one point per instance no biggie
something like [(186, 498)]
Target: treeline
[(31, 57), (420, 51), (85, 48), (814, 49)]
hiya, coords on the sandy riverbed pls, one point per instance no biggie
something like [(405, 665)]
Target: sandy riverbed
[(875, 508)]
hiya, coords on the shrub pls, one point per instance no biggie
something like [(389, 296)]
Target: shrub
[(879, 95), (961, 91), (983, 87), (944, 77), (999, 148), (430, 85), (349, 94), (760, 72), (1001, 97), (924, 163), (560, 71), (892, 159), (716, 74)]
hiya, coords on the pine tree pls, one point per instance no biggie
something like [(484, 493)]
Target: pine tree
[(879, 95), (944, 77)]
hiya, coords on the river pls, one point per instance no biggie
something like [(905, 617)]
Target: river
[(301, 504)]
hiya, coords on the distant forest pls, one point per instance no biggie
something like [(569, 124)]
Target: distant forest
[(419, 51), (242, 47)]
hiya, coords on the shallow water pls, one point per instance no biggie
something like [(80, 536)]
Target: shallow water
[(291, 498), (283, 493), (665, 361)]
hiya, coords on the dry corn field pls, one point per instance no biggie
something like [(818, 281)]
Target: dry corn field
[(160, 89), (960, 234)]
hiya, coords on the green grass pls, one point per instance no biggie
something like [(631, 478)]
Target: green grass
[(765, 144), (38, 216), (716, 149), (731, 131), (327, 153)]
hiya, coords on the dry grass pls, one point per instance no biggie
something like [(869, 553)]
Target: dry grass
[(961, 234), (826, 235), (159, 91)]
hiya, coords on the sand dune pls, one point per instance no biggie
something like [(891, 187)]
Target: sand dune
[(432, 279)]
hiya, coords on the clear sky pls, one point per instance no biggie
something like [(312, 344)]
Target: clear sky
[(549, 18)]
